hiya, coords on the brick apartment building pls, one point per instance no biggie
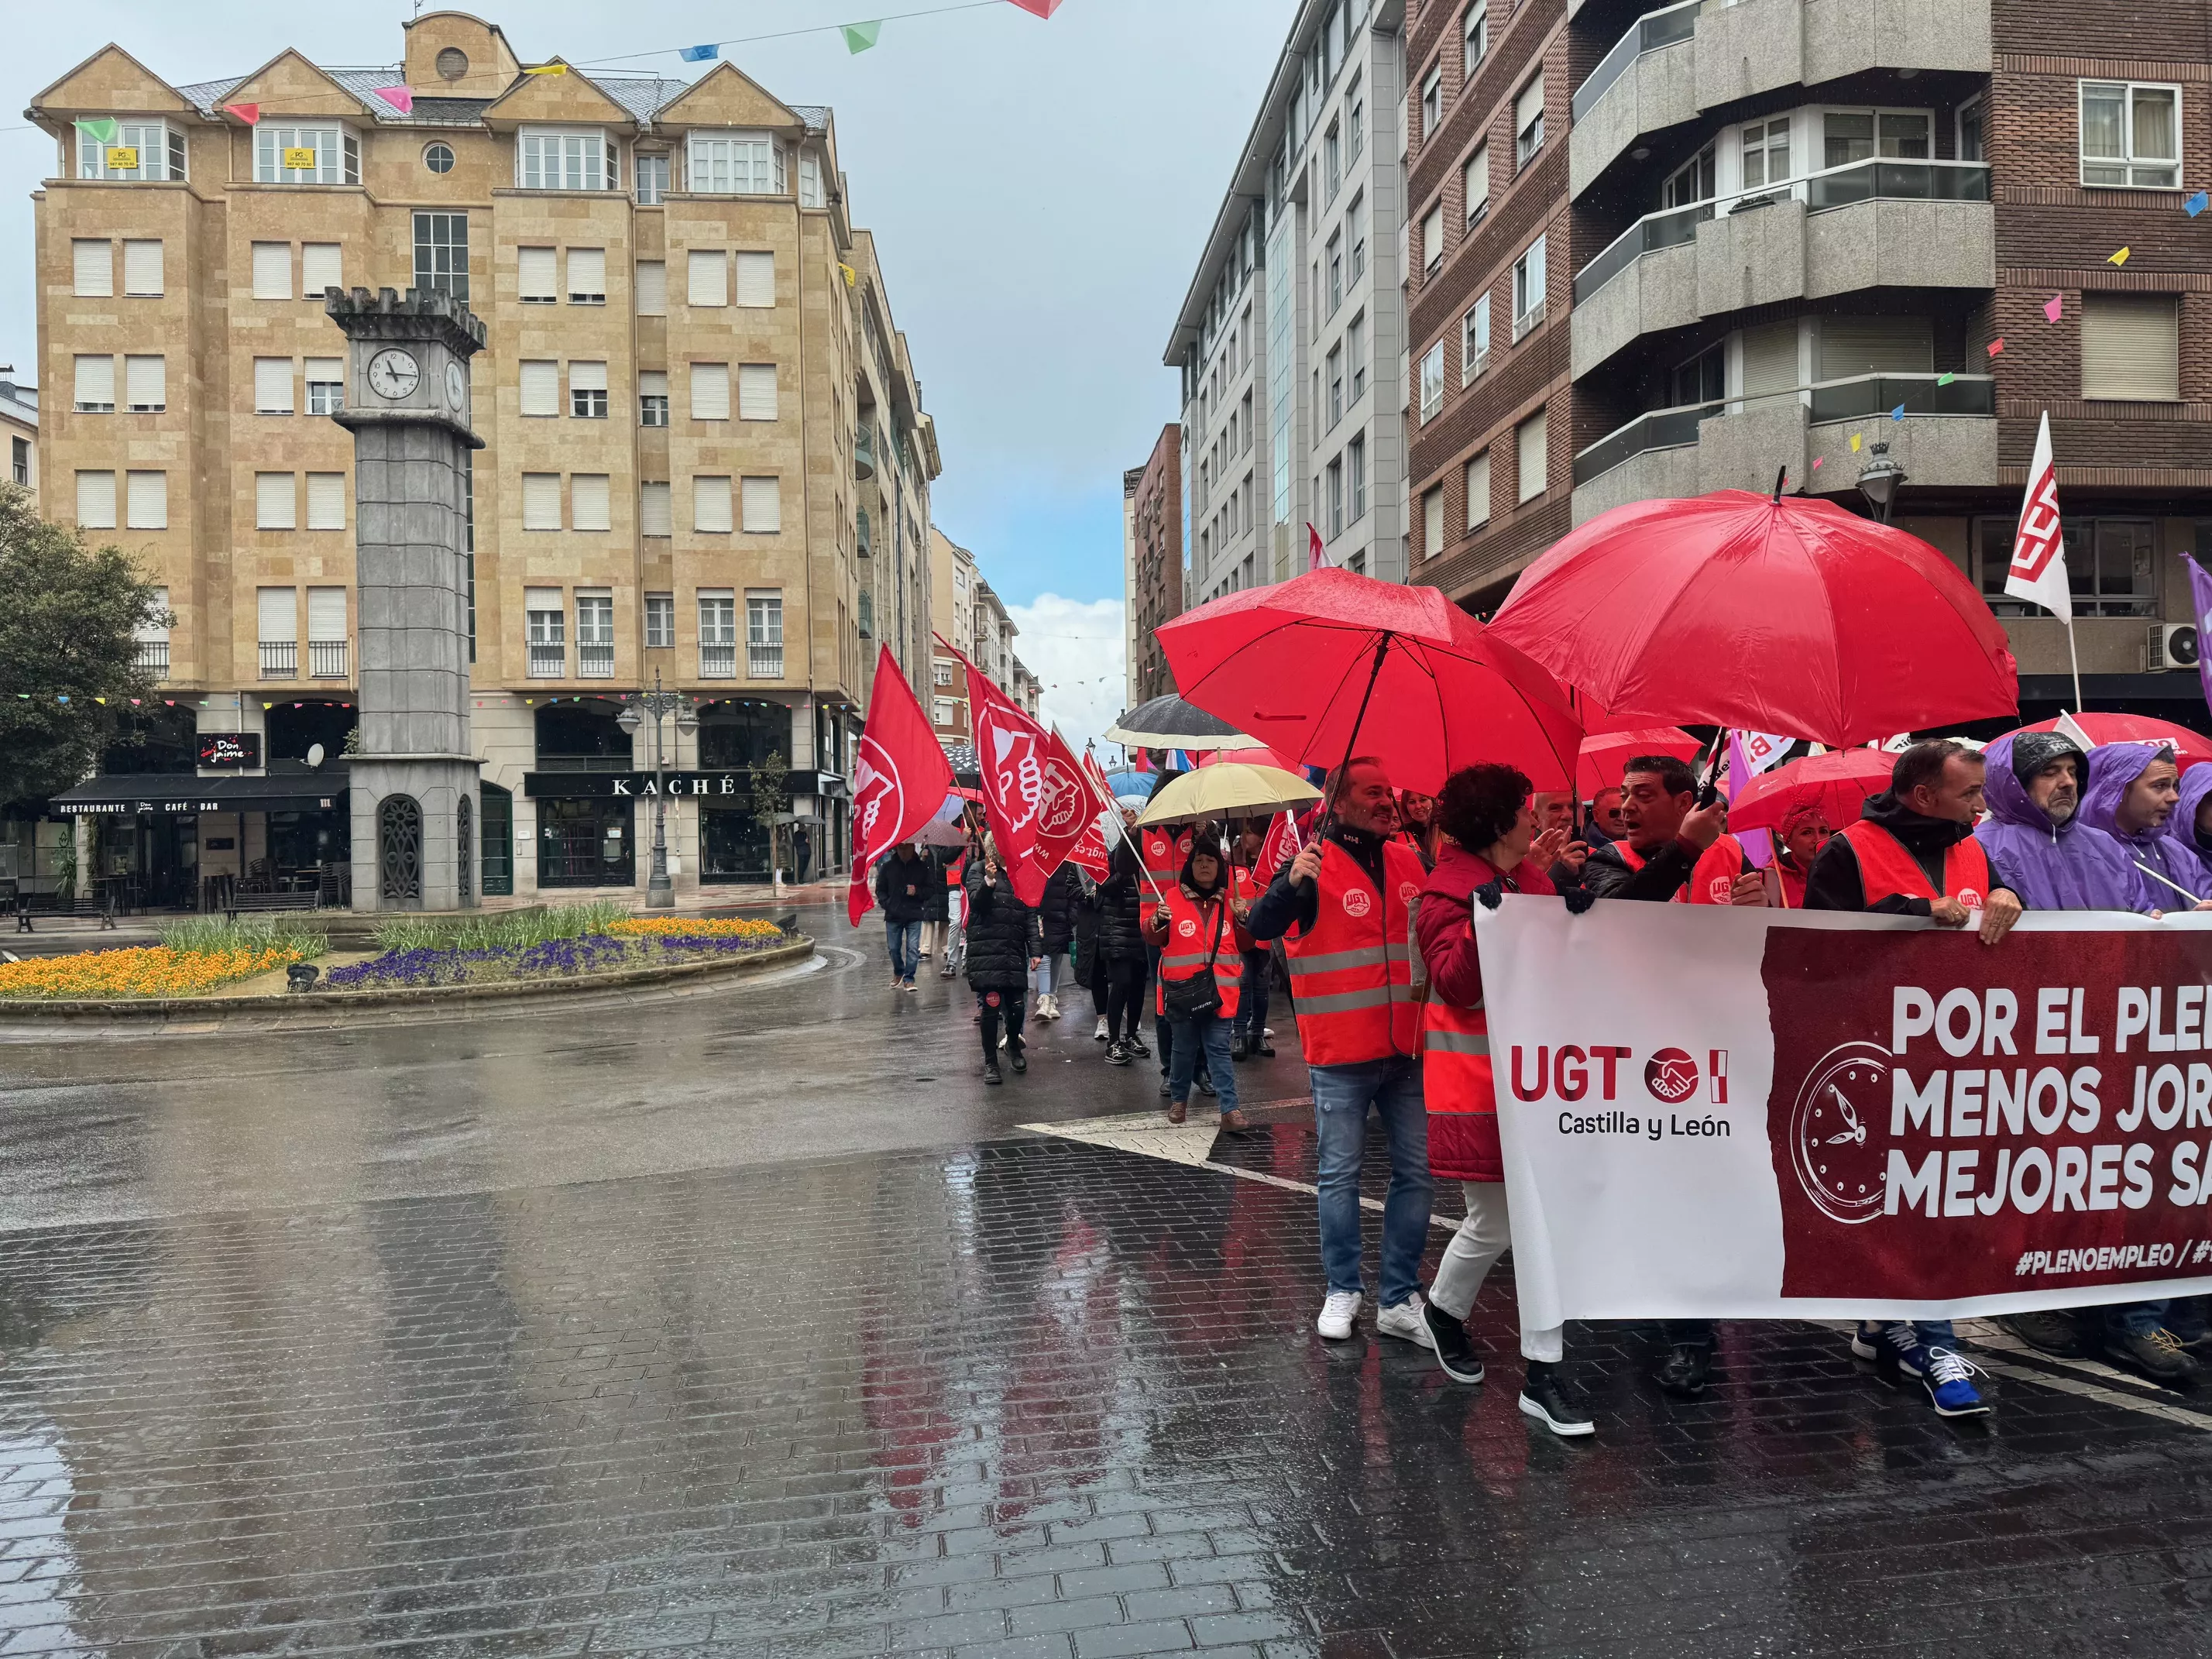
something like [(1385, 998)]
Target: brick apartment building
[(1154, 560), (1657, 252)]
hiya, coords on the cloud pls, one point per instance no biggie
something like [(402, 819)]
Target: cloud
[(1079, 653)]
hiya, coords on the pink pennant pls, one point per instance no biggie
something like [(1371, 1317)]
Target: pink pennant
[(1039, 8), (249, 113), (2054, 307), (400, 97)]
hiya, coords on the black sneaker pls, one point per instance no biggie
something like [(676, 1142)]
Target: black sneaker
[(1206, 1084), (1454, 1352), (991, 1072), (1167, 1091), (2157, 1355), (1552, 1400), (1686, 1370), (2054, 1332), (1264, 1048), (1136, 1045), (1018, 1057), (1237, 1048), (1116, 1054)]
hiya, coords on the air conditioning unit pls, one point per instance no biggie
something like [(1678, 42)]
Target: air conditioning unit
[(2171, 645)]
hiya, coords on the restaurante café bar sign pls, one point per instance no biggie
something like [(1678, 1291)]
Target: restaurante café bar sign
[(735, 787)]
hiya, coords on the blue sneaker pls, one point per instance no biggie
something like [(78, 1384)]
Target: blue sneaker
[(1896, 1344), (1950, 1385)]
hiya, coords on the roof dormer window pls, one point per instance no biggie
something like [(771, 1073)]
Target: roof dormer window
[(321, 154), (129, 149), (735, 164), (548, 160)]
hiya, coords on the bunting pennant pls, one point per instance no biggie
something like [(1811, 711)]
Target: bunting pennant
[(249, 113), (2054, 307), (548, 69), (698, 54), (2119, 257), (400, 97), (2196, 204), (1038, 8), (1996, 345), (858, 37), (101, 131)]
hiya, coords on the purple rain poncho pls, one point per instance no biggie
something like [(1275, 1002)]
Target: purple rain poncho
[(2112, 768), (2074, 867)]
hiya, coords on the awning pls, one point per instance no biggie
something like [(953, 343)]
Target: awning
[(127, 793)]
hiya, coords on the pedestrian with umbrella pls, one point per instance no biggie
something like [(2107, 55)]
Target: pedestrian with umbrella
[(1005, 944), (1198, 928)]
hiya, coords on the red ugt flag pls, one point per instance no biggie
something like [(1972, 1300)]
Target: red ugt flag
[(1280, 847), (1035, 795), (901, 780), (1090, 852)]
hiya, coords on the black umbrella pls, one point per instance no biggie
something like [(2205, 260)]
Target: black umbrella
[(1169, 722), (967, 770)]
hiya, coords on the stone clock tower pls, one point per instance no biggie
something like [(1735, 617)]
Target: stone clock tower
[(413, 786)]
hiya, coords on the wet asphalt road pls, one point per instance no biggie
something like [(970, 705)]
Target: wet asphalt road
[(750, 1324)]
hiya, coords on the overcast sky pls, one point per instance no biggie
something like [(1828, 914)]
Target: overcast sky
[(1039, 192)]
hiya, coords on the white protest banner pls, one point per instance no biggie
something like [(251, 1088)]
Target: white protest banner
[(1791, 1113)]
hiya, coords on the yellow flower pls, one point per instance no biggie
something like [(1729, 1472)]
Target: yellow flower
[(676, 927), (153, 970)]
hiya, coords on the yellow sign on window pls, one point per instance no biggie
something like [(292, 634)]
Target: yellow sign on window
[(300, 158), (123, 158)]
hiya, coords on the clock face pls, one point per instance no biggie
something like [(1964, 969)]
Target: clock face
[(457, 388), (393, 374), (1840, 1133)]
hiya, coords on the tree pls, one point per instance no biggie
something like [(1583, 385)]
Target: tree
[(771, 800), (69, 624)]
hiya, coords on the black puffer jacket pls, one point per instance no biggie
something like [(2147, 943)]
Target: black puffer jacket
[(1121, 910), (894, 876), (940, 859), (1086, 930), (1056, 910), (1003, 933)]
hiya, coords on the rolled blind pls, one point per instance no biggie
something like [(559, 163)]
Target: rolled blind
[(321, 267), (275, 508), (651, 287), (541, 500), (1433, 524), (710, 504), (1851, 346), (756, 279), (142, 267), (96, 380), (764, 500), (1770, 359), (279, 612), (326, 500), (1432, 237), (153, 632), (710, 391), (710, 278), (272, 271), (1531, 440), (587, 500), (95, 264), (272, 385), (653, 513), (145, 382), (534, 273), (95, 500), (1478, 490), (541, 386), (756, 391), (326, 613), (2130, 346), (587, 377), (146, 501), (1528, 106), (541, 599), (652, 383), (329, 370), (587, 273)]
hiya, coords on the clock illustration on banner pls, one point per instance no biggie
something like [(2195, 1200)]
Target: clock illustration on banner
[(1839, 1131), (457, 388), (393, 374)]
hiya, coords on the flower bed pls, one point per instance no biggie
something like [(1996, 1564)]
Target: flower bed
[(644, 945), (767, 932), (151, 970)]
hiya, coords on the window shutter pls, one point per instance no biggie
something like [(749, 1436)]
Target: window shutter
[(279, 612), (652, 383), (145, 382), (756, 391), (1478, 490), (326, 612), (710, 391), (1528, 106), (651, 287), (1477, 178), (146, 501), (142, 267), (710, 278), (1433, 524), (541, 386), (541, 599), (95, 500), (326, 500), (1770, 359), (587, 273), (653, 513), (94, 260), (2131, 347), (272, 385), (272, 271), (96, 380), (274, 508), (587, 377), (710, 504), (541, 500), (321, 267), (534, 273), (587, 500), (1530, 439), (1432, 237), (764, 505), (756, 279), (155, 633), (1851, 346), (329, 370)]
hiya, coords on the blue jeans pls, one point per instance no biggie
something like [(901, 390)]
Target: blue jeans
[(1211, 1033), (1252, 996), (905, 939), (1342, 1095)]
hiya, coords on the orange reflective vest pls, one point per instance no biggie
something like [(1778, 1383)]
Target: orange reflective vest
[(1457, 1086), (1190, 938), (1352, 978), (1165, 851), (1887, 869)]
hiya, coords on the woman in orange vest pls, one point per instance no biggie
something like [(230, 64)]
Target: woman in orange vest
[(1725, 876), (1165, 847), (1486, 829), (1199, 930)]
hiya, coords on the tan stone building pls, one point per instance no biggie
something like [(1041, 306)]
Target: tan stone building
[(19, 429), (953, 580), (707, 465)]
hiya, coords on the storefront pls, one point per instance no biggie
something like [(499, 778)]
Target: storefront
[(166, 841), (590, 825)]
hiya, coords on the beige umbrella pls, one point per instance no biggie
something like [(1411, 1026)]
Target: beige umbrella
[(1228, 790)]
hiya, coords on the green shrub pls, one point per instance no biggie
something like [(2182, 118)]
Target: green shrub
[(248, 933), (486, 931)]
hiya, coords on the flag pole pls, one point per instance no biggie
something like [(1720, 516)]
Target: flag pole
[(2072, 657)]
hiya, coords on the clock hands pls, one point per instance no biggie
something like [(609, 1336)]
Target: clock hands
[(1857, 1133)]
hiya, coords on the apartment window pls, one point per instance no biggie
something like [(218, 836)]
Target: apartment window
[(1478, 490), (1355, 348), (588, 392), (95, 385), (595, 635), (276, 501), (940, 673), (541, 500), (305, 156), (1355, 229), (1474, 183), (764, 635), (762, 502), (326, 633), (651, 287), (653, 397), (272, 271), (547, 636), (1849, 136), (1704, 379), (92, 261), (707, 277), (1529, 440), (1765, 155), (588, 276), (277, 614), (1973, 128), (652, 172), (139, 151), (735, 164), (1355, 120), (19, 456), (540, 385), (326, 500), (1697, 180), (537, 281), (1335, 377), (757, 280), (589, 504), (95, 500), (272, 385), (152, 637), (1331, 150), (1334, 473), (1432, 522), (1474, 38), (1529, 124), (1432, 241), (322, 266), (565, 161), (1335, 271), (660, 620), (1248, 396), (1529, 289), (325, 386), (1474, 340), (1432, 100), (710, 391), (146, 501), (2130, 135), (756, 391), (441, 254), (1432, 382), (1355, 467), (2130, 346), (710, 505), (656, 512), (810, 180), (940, 711)]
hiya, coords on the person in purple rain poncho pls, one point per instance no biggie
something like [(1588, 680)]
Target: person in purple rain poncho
[(2188, 827), (2133, 789)]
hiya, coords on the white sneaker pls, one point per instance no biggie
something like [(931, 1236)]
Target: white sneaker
[(1404, 1322), (1099, 1035), (1337, 1314)]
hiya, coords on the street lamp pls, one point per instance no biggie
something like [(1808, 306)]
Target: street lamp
[(1879, 483), (660, 891)]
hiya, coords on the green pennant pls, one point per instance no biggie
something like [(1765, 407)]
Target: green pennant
[(858, 37), (101, 131)]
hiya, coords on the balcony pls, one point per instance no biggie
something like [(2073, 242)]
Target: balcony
[(280, 660), (718, 662), (1876, 223), (1945, 438), (864, 454), (153, 656), (326, 660), (1675, 64), (764, 662), (595, 662), (548, 661)]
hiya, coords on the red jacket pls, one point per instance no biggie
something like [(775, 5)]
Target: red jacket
[(1463, 1147)]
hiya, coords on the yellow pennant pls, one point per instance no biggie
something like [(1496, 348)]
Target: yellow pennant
[(2119, 259), (1855, 443), (852, 276), (548, 69)]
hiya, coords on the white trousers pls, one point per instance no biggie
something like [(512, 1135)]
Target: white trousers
[(1482, 1237)]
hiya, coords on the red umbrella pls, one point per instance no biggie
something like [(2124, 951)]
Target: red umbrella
[(1606, 754), (1247, 757), (2188, 747), (1332, 663), (1785, 615), (1837, 782)]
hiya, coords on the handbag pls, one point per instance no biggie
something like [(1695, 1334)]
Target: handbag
[(1199, 994)]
